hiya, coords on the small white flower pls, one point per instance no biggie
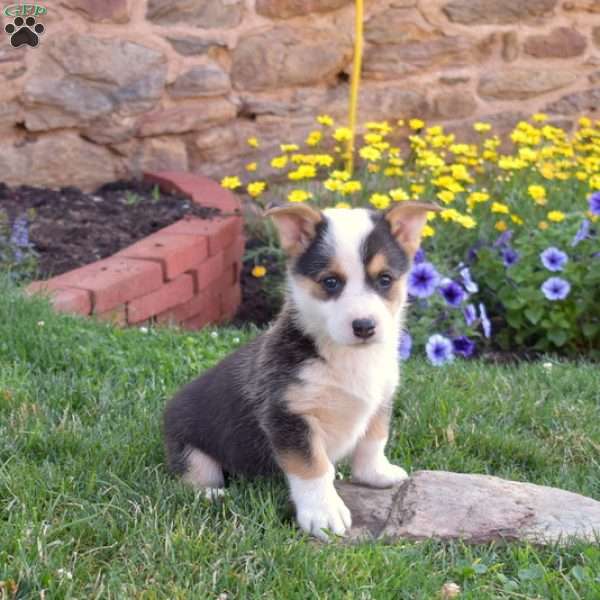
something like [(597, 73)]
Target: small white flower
[(547, 365), (450, 590), (214, 334), (41, 323), (236, 340), (144, 329), (64, 573)]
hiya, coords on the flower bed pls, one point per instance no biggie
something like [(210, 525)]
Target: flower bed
[(513, 259), (186, 273)]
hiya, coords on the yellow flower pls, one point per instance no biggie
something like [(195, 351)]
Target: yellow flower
[(351, 187), (449, 183), (343, 175), (466, 221), (398, 195), (373, 168), (289, 147), (556, 215), (416, 124), (372, 138), (393, 171), (417, 189), (252, 141), (450, 214), (333, 185), (342, 134), (446, 196), (251, 167), (538, 193), (428, 231), (482, 127), (476, 197), (382, 126), (516, 219), (585, 122), (595, 182), (259, 271), (461, 173), (370, 153), (498, 207), (299, 196), (540, 117), (342, 205), (325, 120), (510, 162), (501, 226), (256, 189), (230, 183), (314, 137), (543, 225), (379, 201), (279, 162), (302, 172)]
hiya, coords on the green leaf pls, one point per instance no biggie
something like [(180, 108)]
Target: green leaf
[(534, 572), (534, 314), (558, 336)]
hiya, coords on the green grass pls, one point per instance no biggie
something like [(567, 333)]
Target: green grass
[(88, 511)]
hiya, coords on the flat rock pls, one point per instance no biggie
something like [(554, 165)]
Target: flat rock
[(577, 102), (562, 42), (474, 508), (80, 78), (115, 11), (284, 9), (206, 14), (470, 12), (521, 84), (201, 80)]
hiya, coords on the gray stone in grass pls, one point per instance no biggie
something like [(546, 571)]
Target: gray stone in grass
[(473, 508)]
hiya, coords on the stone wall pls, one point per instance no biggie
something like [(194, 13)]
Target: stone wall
[(116, 87)]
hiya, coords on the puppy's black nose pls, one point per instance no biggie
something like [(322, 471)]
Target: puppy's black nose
[(363, 328)]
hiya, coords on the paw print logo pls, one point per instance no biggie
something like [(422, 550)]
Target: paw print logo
[(24, 31)]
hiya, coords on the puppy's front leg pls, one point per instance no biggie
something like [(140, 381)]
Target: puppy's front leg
[(369, 463), (310, 475)]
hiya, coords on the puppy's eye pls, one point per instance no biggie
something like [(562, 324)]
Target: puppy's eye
[(331, 284), (384, 280)]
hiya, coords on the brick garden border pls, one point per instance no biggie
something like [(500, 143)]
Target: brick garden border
[(187, 273)]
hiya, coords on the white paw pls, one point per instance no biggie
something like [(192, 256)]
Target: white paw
[(330, 513), (381, 475)]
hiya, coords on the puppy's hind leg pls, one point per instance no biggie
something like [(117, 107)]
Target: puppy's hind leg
[(203, 472)]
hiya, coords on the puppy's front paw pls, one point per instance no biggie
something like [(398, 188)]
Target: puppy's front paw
[(381, 475), (330, 513)]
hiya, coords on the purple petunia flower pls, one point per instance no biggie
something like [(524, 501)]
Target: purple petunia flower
[(452, 292), (439, 350), (422, 280), (405, 345), (419, 256), (594, 202), (469, 284), (486, 324), (556, 288), (464, 346), (553, 259), (509, 256), (504, 238), (582, 233), (470, 313)]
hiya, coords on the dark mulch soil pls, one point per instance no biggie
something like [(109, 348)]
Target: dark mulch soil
[(261, 297), (70, 228)]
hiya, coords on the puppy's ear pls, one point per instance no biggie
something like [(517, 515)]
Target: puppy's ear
[(407, 220), (296, 225)]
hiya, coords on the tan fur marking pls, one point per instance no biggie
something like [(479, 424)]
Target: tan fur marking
[(331, 412), (397, 296), (294, 463), (314, 288), (377, 264), (379, 425)]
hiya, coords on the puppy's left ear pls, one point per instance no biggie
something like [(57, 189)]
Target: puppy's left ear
[(296, 224), (407, 220)]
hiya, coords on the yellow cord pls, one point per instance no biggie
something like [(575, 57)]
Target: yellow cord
[(356, 68)]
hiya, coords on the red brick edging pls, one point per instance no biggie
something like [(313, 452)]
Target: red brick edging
[(187, 273)]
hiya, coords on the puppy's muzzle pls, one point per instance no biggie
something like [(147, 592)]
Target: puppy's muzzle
[(363, 328)]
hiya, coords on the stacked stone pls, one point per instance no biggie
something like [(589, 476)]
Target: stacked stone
[(117, 87)]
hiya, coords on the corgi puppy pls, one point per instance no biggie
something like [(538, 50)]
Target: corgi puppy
[(318, 385)]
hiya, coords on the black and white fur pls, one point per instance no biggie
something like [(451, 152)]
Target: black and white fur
[(318, 385)]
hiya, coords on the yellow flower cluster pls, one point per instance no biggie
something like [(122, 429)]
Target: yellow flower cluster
[(531, 177)]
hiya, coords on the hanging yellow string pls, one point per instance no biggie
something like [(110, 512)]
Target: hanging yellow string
[(355, 82)]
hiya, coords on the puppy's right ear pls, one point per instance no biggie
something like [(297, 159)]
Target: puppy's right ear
[(297, 226)]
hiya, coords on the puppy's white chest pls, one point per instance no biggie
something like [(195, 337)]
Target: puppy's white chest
[(347, 392)]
